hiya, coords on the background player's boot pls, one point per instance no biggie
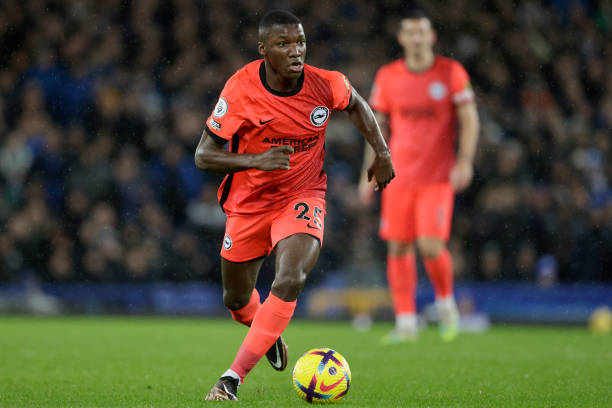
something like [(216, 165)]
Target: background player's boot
[(277, 355), (406, 330), (449, 321), (397, 336), (225, 389)]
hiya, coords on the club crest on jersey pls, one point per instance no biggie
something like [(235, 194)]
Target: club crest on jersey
[(437, 90), (319, 115), (220, 108), (227, 242)]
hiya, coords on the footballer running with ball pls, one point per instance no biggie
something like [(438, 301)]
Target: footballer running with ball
[(273, 113)]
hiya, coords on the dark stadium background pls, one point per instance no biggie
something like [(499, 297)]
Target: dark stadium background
[(103, 102)]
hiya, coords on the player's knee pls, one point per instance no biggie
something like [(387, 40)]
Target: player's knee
[(397, 248), (235, 301), (430, 247), (289, 285)]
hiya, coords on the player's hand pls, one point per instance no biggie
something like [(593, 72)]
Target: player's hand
[(461, 175), (381, 171), (275, 158), (365, 191)]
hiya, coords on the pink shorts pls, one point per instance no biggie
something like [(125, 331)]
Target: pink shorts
[(249, 237), (417, 212)]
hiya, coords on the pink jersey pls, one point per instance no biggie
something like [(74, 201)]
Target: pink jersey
[(422, 112), (254, 118)]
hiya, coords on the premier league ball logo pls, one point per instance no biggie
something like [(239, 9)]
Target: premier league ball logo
[(220, 109)]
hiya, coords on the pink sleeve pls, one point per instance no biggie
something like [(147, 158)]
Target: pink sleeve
[(227, 116), (341, 90), (460, 85), (378, 100)]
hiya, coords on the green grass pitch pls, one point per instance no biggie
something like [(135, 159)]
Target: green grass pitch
[(157, 362)]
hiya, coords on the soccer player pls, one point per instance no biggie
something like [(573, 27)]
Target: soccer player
[(421, 102), (273, 112)]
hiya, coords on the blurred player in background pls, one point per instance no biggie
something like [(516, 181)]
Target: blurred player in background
[(421, 102), (274, 112)]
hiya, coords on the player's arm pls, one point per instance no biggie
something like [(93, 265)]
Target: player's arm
[(364, 120), (469, 127), (365, 190), (210, 156)]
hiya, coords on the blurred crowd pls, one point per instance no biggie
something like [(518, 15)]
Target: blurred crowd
[(103, 102)]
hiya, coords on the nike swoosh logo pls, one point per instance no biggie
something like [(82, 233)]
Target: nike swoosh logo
[(278, 363), (325, 388), (310, 226), (263, 122)]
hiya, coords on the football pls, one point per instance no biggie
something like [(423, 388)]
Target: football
[(321, 375)]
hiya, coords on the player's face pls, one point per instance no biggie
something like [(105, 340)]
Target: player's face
[(416, 35), (285, 48)]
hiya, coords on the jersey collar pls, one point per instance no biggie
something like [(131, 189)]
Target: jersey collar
[(262, 77), (423, 72)]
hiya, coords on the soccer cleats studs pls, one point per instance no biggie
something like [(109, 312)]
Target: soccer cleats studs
[(226, 389), (277, 354)]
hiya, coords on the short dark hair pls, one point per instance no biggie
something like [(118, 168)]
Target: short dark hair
[(276, 17), (414, 13), (411, 13)]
